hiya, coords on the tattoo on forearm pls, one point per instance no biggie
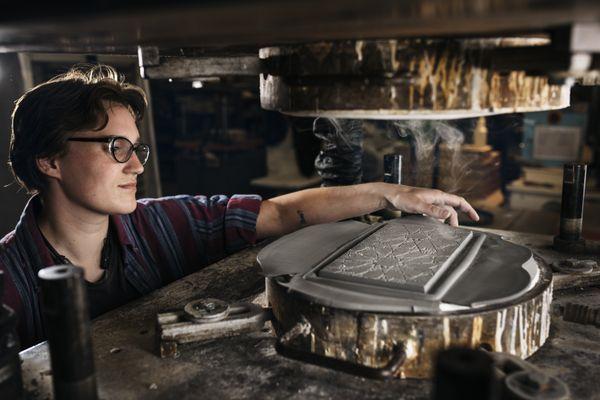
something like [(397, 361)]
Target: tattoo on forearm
[(301, 216)]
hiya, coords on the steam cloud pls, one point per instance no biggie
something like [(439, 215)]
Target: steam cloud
[(425, 136)]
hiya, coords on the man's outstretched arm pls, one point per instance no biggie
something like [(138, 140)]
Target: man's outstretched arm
[(284, 214)]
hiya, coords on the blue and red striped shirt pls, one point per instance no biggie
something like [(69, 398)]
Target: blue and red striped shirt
[(162, 240)]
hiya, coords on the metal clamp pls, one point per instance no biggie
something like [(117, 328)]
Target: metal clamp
[(206, 319)]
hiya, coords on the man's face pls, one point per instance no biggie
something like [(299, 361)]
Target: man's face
[(89, 175)]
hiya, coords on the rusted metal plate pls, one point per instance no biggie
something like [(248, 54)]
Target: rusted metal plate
[(401, 79)]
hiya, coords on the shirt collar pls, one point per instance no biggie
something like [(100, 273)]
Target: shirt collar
[(27, 224), (123, 235), (27, 228)]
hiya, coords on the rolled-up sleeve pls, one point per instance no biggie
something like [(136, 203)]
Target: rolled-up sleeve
[(241, 214), (223, 224), (184, 233)]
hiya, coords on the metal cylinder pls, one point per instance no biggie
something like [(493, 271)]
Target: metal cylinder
[(573, 194), (11, 384), (462, 374), (339, 162), (66, 315), (392, 168)]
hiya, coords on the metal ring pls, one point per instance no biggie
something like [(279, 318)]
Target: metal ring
[(204, 310)]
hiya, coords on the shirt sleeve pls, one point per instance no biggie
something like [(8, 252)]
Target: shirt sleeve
[(189, 232), (239, 215)]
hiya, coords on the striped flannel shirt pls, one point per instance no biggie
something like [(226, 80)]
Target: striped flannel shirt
[(162, 240)]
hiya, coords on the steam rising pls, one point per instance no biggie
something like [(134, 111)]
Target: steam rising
[(425, 135)]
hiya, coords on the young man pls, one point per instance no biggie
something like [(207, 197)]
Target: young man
[(75, 146)]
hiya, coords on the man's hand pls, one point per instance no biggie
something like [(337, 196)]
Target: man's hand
[(284, 214), (432, 202)]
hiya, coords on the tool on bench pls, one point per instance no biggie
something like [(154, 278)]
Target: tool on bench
[(206, 319)]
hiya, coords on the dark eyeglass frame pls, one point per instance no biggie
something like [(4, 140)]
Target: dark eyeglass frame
[(111, 146)]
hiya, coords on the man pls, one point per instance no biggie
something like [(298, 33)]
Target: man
[(75, 146)]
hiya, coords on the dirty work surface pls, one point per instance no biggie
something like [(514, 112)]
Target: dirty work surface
[(248, 367)]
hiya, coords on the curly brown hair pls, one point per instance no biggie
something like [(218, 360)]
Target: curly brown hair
[(46, 115)]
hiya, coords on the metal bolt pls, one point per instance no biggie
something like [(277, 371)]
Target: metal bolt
[(206, 310), (574, 266), (535, 380)]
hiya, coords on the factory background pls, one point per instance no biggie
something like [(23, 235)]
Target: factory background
[(211, 136), (494, 100)]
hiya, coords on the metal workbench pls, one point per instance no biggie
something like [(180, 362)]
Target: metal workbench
[(247, 366)]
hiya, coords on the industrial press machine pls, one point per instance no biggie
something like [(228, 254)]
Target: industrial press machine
[(378, 299)]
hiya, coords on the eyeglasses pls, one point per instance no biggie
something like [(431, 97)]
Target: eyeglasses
[(120, 147)]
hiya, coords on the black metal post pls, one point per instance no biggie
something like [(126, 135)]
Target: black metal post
[(65, 310), (573, 193), (464, 374), (571, 213), (392, 168)]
